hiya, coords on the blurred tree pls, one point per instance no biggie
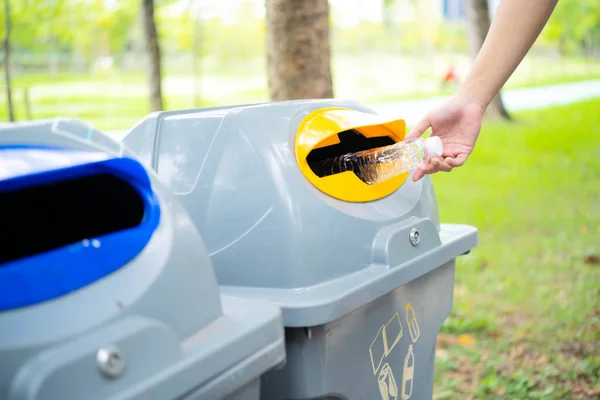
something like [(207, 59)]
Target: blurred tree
[(574, 25), (32, 26), (298, 49), (478, 16), (153, 52), (90, 27), (181, 27), (197, 60), (388, 15), (7, 24)]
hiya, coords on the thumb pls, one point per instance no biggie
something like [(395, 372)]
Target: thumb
[(419, 129)]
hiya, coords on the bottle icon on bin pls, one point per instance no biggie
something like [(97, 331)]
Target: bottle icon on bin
[(408, 374), (387, 383)]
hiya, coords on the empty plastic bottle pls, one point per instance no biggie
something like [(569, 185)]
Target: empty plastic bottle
[(380, 164), (408, 374)]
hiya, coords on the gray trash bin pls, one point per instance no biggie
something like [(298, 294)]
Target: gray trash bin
[(364, 273), (106, 288)]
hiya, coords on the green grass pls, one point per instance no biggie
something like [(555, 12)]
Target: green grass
[(117, 100), (526, 294)]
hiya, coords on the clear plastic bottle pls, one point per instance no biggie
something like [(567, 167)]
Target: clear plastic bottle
[(380, 164)]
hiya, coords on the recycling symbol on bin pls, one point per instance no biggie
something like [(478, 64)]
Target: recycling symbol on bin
[(385, 341)]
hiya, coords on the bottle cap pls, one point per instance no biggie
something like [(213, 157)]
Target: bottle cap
[(434, 147)]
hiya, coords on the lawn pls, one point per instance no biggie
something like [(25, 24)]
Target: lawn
[(117, 100), (526, 316)]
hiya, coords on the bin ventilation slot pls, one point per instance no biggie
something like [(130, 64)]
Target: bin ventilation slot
[(49, 216), (320, 160)]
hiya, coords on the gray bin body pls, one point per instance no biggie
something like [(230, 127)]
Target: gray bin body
[(361, 305), (178, 337)]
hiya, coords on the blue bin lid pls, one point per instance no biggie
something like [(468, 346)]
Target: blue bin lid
[(46, 275)]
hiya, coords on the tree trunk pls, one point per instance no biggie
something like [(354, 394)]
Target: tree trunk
[(298, 49), (7, 22), (153, 53), (197, 60), (478, 16), (388, 16)]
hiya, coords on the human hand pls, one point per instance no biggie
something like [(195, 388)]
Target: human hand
[(457, 123)]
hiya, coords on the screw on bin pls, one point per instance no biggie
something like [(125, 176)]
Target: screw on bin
[(415, 236), (308, 333), (110, 361)]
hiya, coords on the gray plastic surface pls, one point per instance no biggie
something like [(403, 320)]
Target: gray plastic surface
[(361, 305), (349, 357), (234, 170), (179, 338)]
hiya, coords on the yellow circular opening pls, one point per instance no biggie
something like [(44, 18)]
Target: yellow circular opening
[(320, 129)]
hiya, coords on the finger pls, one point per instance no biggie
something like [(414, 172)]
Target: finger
[(423, 170), (441, 165), (428, 168), (418, 175), (435, 165), (419, 129), (457, 161)]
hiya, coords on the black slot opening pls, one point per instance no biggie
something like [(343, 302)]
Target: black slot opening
[(37, 219), (320, 160)]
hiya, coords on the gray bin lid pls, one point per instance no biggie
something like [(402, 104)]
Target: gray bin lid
[(234, 170), (237, 348), (162, 311), (333, 299)]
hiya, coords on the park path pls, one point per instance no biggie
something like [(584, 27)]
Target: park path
[(514, 99)]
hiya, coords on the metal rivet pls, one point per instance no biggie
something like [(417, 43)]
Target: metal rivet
[(415, 236), (110, 361), (308, 333)]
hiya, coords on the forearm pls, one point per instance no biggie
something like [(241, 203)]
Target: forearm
[(514, 29)]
